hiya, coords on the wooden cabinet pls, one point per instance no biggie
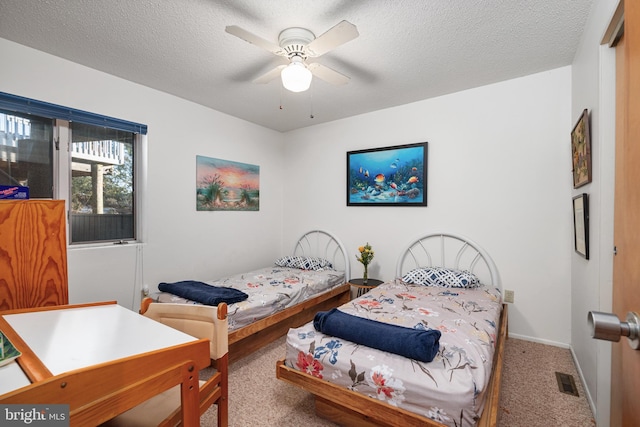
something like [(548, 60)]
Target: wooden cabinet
[(33, 254)]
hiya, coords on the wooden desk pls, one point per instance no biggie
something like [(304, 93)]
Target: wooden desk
[(99, 359), (362, 288)]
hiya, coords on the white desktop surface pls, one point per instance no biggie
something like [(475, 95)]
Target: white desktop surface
[(74, 338), (12, 377)]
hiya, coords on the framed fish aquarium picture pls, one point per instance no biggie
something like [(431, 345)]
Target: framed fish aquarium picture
[(388, 176)]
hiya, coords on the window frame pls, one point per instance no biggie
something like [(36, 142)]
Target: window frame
[(62, 153), (139, 184)]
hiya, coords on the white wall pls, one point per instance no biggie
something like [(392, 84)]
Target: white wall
[(593, 78), (499, 171), (180, 242)]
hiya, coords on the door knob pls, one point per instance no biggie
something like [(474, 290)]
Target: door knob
[(606, 326)]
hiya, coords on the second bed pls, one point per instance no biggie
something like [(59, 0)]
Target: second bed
[(286, 294)]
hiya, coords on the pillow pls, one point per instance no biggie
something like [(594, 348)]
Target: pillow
[(441, 276), (304, 263)]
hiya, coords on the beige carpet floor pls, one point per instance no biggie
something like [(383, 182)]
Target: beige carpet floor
[(530, 395)]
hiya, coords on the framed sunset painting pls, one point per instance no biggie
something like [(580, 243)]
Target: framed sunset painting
[(388, 176), (224, 185)]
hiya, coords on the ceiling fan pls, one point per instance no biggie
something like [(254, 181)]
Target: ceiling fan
[(297, 45)]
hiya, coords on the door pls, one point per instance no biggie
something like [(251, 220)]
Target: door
[(625, 372)]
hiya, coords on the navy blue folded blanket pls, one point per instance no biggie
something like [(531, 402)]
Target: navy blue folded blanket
[(203, 293), (415, 344)]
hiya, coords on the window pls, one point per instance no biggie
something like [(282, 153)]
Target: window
[(90, 161), (102, 184), (26, 153)]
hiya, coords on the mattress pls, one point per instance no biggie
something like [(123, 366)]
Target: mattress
[(451, 389), (270, 290)]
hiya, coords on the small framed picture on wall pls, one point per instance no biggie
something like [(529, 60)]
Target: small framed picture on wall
[(581, 224), (581, 151)]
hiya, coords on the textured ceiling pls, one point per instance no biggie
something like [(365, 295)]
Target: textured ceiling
[(407, 50)]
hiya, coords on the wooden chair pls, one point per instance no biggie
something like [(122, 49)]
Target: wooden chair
[(164, 409)]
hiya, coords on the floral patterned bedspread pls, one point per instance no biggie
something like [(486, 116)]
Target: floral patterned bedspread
[(451, 388), (270, 289)]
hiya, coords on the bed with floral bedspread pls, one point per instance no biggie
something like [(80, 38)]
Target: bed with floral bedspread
[(270, 290), (453, 288), (286, 294), (452, 385)]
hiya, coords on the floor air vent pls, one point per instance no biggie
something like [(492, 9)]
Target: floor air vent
[(566, 384)]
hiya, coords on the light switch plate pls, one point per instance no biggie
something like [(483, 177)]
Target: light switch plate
[(508, 296)]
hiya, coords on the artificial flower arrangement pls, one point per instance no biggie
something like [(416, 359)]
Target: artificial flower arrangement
[(365, 257)]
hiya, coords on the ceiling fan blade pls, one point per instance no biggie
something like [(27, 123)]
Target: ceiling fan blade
[(256, 40), (327, 74), (334, 37), (270, 75)]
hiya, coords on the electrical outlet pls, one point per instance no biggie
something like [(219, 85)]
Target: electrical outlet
[(508, 295)]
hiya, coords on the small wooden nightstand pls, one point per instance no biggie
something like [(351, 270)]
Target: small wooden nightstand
[(361, 288)]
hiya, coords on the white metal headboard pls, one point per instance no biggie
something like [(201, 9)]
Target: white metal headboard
[(452, 251), (323, 244)]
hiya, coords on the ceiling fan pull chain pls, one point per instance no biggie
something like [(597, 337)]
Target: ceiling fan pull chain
[(311, 103)]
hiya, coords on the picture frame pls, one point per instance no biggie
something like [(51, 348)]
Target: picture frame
[(581, 224), (581, 151), (388, 176), (225, 185)]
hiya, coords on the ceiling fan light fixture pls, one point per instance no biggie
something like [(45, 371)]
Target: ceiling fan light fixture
[(296, 77)]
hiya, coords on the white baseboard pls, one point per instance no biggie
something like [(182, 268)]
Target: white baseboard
[(539, 340), (592, 404)]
